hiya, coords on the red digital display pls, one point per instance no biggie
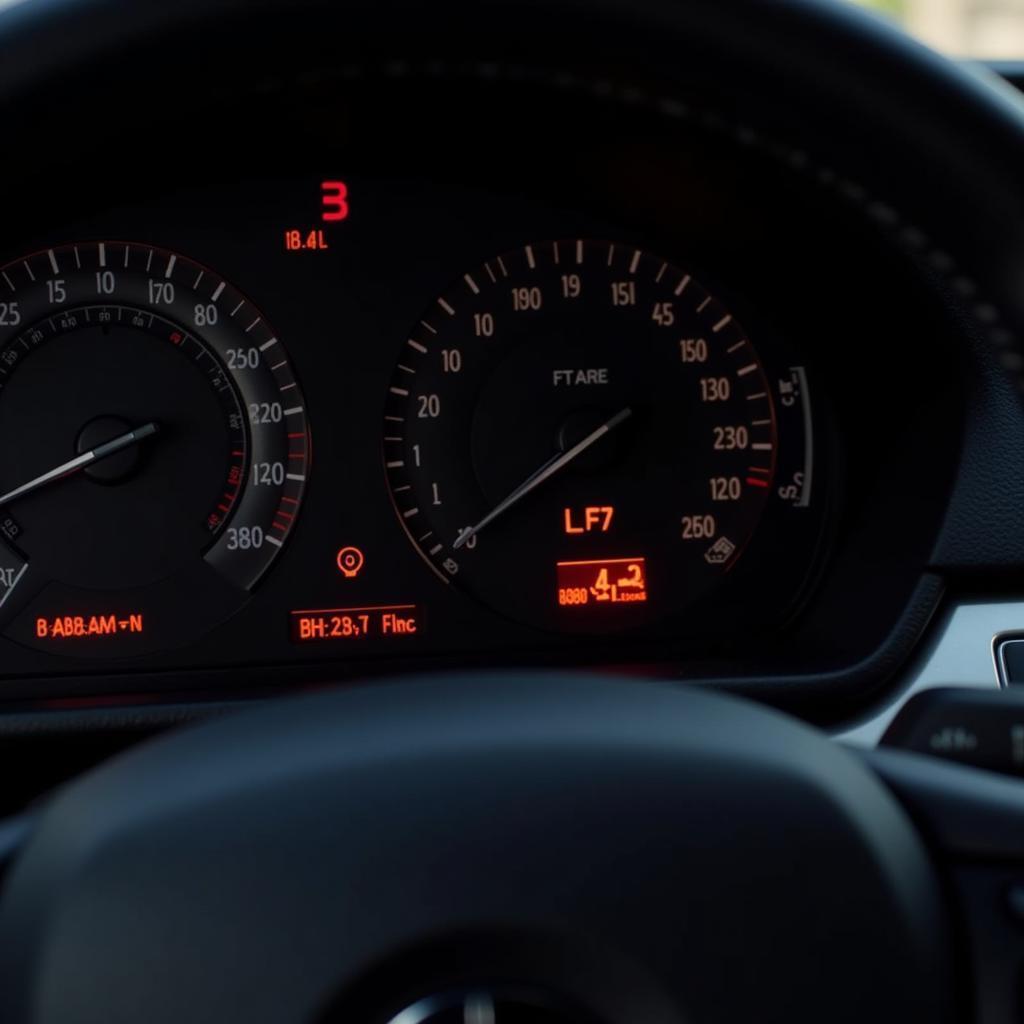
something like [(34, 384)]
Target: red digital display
[(589, 519), (334, 207), (335, 201), (296, 240), (381, 621), (602, 583), (79, 627)]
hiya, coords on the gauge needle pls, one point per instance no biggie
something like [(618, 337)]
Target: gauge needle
[(101, 451), (548, 470)]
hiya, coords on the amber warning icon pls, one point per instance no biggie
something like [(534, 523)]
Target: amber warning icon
[(350, 562)]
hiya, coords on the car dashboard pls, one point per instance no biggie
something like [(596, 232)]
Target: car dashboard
[(375, 378), (482, 424)]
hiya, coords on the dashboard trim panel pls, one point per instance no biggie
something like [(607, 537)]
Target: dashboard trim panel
[(961, 653)]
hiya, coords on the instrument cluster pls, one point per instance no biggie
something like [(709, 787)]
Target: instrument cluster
[(355, 419)]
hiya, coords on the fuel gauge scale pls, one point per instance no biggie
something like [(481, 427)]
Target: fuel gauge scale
[(582, 436)]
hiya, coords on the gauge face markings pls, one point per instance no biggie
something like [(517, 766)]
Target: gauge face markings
[(71, 319), (99, 338), (545, 346)]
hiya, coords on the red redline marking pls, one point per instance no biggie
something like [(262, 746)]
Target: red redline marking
[(299, 434), (280, 526), (224, 508), (756, 481), (284, 515), (296, 455), (291, 501), (238, 453), (758, 469)]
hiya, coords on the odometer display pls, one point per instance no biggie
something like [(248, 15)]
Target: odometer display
[(157, 448), (581, 435)]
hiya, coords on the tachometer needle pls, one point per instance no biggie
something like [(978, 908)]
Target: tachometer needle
[(548, 470), (101, 451)]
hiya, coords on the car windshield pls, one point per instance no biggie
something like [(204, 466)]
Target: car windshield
[(981, 29)]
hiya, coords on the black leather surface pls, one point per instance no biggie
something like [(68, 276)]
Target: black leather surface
[(660, 855)]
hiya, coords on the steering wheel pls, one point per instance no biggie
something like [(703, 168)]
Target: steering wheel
[(535, 847)]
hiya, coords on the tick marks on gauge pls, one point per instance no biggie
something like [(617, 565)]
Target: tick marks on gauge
[(458, 461)]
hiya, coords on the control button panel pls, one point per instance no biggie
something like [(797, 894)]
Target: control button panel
[(982, 728)]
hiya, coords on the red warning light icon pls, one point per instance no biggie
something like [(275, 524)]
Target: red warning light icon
[(350, 562)]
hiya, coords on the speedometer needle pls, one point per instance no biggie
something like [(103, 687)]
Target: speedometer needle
[(548, 470), (101, 451)]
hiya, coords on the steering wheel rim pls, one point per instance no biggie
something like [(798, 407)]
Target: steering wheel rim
[(605, 844)]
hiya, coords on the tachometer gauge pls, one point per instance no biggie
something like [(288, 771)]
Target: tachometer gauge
[(155, 449), (582, 436)]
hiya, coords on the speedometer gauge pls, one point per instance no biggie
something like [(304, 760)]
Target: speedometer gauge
[(155, 449), (581, 435)]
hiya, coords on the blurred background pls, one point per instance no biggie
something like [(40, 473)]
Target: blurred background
[(986, 29)]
